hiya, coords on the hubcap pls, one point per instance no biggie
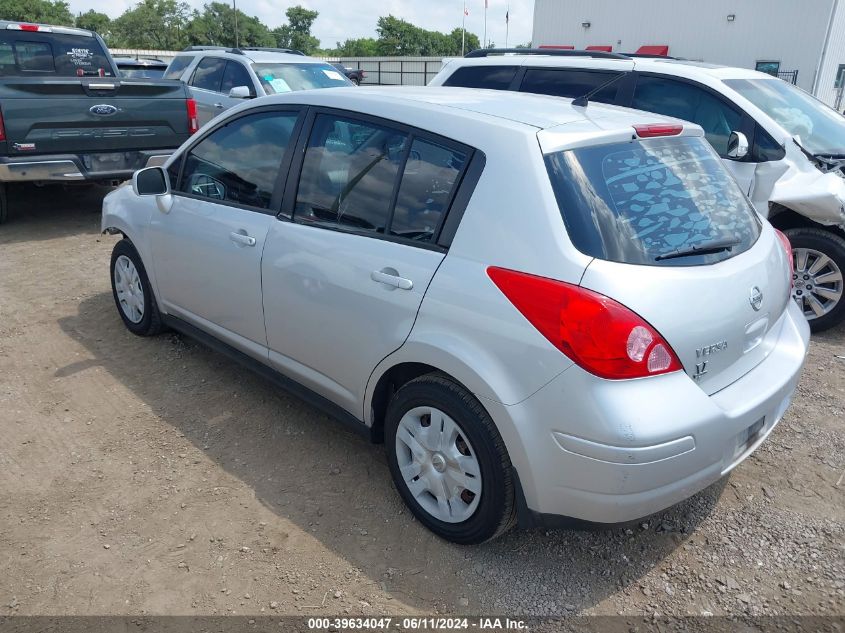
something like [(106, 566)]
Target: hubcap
[(438, 464), (816, 283), (127, 285)]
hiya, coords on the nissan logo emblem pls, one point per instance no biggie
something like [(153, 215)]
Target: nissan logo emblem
[(104, 109), (756, 298)]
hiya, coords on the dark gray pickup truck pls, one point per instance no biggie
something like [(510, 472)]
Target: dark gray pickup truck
[(66, 114)]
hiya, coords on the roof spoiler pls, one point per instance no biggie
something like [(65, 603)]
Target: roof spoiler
[(548, 52)]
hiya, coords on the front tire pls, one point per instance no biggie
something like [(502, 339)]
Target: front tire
[(819, 259), (132, 293), (448, 461)]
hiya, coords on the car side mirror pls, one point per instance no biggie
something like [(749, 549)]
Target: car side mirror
[(240, 92), (737, 146), (151, 181)]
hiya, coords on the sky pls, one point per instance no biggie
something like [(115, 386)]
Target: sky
[(342, 19)]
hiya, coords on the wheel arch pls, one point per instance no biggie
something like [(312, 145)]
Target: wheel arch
[(783, 218)]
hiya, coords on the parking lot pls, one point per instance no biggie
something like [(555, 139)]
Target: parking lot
[(156, 476)]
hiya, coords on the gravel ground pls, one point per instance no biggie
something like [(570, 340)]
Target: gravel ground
[(153, 476)]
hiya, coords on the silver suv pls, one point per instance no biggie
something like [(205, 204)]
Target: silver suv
[(221, 78), (541, 309)]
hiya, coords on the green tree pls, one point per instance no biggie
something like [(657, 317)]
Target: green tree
[(95, 21), (156, 24), (360, 47), (41, 11), (472, 42), (398, 37), (296, 33), (215, 26)]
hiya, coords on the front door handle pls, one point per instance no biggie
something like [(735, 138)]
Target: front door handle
[(390, 277), (218, 105), (242, 238)]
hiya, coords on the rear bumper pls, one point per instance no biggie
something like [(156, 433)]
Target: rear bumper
[(71, 167), (614, 451)]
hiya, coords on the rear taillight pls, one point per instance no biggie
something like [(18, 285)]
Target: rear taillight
[(193, 122), (2, 127), (600, 335), (790, 260), (651, 131)]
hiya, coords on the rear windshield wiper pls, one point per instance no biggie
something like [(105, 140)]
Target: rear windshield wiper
[(706, 249)]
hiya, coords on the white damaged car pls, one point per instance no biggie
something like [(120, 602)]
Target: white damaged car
[(785, 148)]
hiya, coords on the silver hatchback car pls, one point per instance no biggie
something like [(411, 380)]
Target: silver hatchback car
[(542, 309)]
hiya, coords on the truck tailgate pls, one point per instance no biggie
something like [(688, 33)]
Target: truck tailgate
[(71, 115)]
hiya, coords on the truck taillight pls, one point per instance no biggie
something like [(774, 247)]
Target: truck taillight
[(29, 27), (790, 259), (193, 122), (599, 334)]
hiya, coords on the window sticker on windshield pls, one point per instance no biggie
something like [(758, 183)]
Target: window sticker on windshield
[(279, 85), (80, 56), (333, 74)]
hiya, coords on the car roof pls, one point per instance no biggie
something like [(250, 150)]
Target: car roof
[(254, 56), (63, 30), (536, 111), (680, 67)]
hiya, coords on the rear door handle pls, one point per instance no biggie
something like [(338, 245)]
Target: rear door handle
[(389, 277), (218, 105), (242, 239)]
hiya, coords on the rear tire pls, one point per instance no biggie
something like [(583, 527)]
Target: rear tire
[(819, 258), (132, 293), (458, 449)]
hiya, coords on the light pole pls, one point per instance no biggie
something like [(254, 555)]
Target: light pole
[(235, 7)]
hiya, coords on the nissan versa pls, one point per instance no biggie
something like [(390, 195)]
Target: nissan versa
[(542, 311)]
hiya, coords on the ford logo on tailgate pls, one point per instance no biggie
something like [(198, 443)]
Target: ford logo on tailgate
[(104, 109)]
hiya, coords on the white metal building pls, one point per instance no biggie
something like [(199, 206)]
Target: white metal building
[(807, 36)]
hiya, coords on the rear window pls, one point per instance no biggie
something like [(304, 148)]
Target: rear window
[(178, 66), (491, 77), (666, 201), (26, 54)]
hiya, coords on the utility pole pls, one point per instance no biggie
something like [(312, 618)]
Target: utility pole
[(235, 7), (463, 30), (484, 43)]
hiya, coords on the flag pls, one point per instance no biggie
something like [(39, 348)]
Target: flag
[(486, 4), (507, 16), (466, 11)]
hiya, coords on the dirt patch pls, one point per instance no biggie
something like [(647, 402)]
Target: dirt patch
[(155, 476)]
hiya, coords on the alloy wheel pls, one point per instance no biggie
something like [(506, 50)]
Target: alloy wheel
[(816, 282)]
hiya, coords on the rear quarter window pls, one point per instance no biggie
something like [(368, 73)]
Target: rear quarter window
[(491, 77), (570, 83), (178, 66), (645, 202)]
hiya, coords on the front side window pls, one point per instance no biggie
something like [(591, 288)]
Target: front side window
[(178, 66), (278, 78), (686, 101), (234, 76), (652, 202), (349, 174), (570, 83), (240, 162), (821, 129), (209, 74), (490, 77)]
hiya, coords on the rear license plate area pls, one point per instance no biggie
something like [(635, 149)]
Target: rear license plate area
[(749, 435)]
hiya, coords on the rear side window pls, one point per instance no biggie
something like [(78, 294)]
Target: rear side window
[(25, 54), (349, 174), (240, 162), (570, 83), (686, 101), (428, 183), (178, 66), (646, 202), (209, 74), (492, 77)]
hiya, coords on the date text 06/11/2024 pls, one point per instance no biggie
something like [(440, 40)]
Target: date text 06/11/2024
[(416, 624)]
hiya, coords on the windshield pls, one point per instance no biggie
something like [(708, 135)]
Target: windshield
[(822, 129), (279, 78), (652, 202)]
